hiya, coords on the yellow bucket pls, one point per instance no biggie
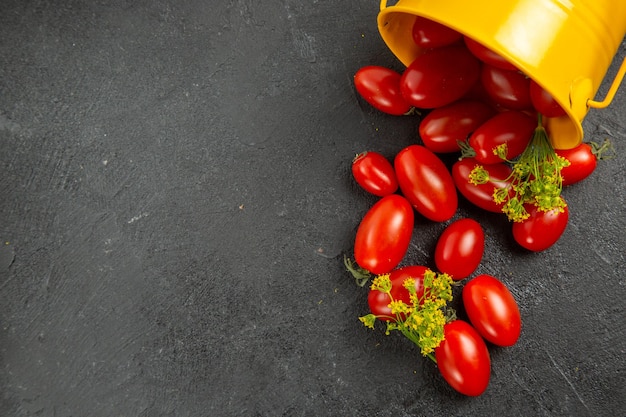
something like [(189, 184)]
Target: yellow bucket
[(566, 46)]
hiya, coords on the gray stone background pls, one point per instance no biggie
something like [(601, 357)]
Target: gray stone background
[(175, 201)]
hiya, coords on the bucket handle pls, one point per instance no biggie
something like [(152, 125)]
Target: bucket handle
[(612, 90), (383, 4)]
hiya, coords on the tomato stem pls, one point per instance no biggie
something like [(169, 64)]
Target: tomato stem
[(466, 150), (413, 111), (603, 151), (361, 275)]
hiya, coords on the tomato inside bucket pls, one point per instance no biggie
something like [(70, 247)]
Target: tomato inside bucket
[(565, 50)]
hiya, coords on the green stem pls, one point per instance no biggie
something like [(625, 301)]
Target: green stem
[(603, 151), (361, 275), (466, 150), (536, 178)]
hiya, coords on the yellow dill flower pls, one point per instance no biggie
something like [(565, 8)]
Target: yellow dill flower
[(422, 320), (441, 286), (478, 175), (409, 284), (515, 210), (501, 150), (381, 283), (398, 307), (368, 320), (500, 195), (429, 276), (535, 178)]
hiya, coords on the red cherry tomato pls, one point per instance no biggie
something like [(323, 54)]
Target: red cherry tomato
[(380, 87), (583, 161), (374, 173), (379, 301), (384, 234), (542, 229), (460, 248), (514, 128), (439, 77), (443, 127), (426, 183), (463, 359), (478, 93), (488, 56), (480, 195), (509, 89), (492, 310), (430, 34), (543, 101)]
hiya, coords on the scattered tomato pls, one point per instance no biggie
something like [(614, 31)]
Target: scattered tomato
[(426, 182), (439, 76), (583, 161), (374, 173), (444, 127), (384, 234), (513, 128), (509, 89), (544, 102), (542, 229), (482, 101), (380, 87), (492, 310), (463, 359), (488, 56), (430, 34), (460, 248), (379, 301), (481, 195)]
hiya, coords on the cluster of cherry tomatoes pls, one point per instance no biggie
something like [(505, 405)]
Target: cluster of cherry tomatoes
[(481, 106), (475, 103), (382, 240), (462, 357)]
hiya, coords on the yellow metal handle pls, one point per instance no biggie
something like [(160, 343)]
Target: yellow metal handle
[(612, 90), (383, 4)]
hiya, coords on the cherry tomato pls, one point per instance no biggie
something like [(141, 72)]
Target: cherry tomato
[(514, 128), (492, 310), (488, 56), (439, 77), (460, 248), (426, 183), (509, 89), (478, 93), (542, 229), (543, 101), (379, 301), (443, 127), (583, 161), (384, 234), (463, 359), (430, 34), (480, 195), (374, 173), (380, 87)]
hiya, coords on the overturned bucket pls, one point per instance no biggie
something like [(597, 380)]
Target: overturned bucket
[(565, 46)]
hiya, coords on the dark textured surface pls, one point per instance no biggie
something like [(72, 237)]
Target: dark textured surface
[(175, 201)]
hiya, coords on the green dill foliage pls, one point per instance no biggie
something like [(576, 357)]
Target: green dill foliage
[(422, 319), (535, 179)]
